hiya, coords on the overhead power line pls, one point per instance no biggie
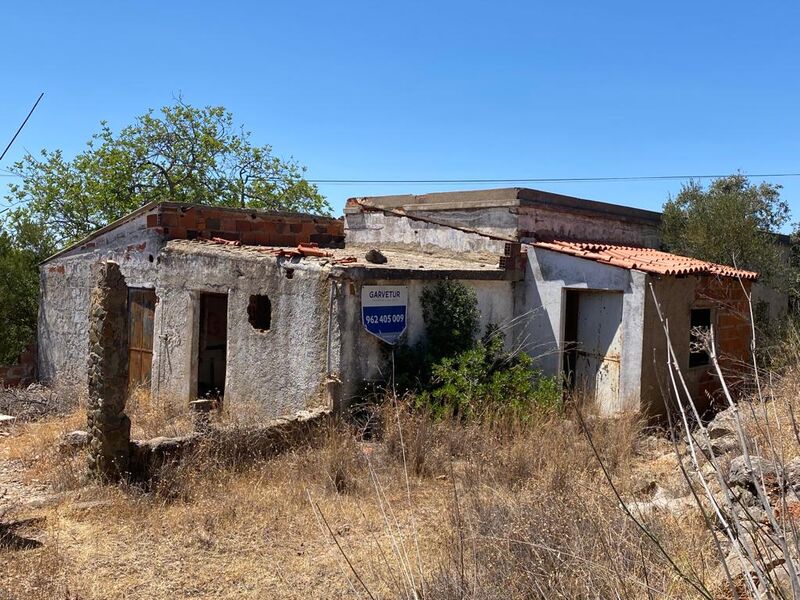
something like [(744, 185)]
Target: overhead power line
[(548, 179), (39, 99)]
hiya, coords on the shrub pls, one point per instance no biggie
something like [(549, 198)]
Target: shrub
[(450, 311), (486, 382)]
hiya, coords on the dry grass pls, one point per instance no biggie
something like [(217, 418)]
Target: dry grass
[(501, 512)]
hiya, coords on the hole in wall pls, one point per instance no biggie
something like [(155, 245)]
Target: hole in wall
[(150, 258), (289, 273), (259, 312)]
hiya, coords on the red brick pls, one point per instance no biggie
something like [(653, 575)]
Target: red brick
[(169, 220), (242, 226), (189, 220), (152, 221)]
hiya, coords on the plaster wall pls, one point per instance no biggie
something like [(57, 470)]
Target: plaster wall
[(541, 309), (500, 220), (775, 302), (374, 228), (365, 358), (537, 221), (279, 371), (65, 288)]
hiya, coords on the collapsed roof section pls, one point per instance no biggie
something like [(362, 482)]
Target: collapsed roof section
[(350, 263)]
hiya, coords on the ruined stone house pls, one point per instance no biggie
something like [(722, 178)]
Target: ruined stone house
[(265, 308)]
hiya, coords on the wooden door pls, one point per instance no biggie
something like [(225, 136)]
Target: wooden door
[(141, 309)]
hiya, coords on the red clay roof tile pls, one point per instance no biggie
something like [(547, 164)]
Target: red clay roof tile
[(642, 259)]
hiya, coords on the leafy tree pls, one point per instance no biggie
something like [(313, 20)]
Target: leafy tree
[(182, 153), (733, 221), (19, 285)]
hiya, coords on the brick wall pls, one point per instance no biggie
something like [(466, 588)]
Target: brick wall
[(732, 327), (246, 226), (23, 372)]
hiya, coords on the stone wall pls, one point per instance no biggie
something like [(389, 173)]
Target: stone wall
[(108, 425)]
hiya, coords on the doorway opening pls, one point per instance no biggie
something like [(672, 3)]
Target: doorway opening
[(593, 346), (212, 344)]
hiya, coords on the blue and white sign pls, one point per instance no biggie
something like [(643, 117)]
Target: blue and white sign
[(383, 311)]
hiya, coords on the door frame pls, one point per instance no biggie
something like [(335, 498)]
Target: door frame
[(197, 304)]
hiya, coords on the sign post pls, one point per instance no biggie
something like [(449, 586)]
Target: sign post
[(383, 311)]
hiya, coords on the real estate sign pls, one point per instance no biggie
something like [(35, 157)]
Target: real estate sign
[(383, 311)]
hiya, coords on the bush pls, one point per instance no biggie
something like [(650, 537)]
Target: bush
[(450, 312), (486, 382), (453, 376)]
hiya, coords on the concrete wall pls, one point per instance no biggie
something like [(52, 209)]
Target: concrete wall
[(383, 230), (541, 299), (536, 221), (363, 357), (65, 289), (677, 296), (499, 221), (282, 370), (776, 302)]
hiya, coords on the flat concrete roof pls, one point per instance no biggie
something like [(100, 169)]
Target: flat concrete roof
[(350, 263), (500, 197)]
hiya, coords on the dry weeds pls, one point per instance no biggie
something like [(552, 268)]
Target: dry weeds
[(501, 512)]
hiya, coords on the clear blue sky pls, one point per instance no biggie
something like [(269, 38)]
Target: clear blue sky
[(431, 90)]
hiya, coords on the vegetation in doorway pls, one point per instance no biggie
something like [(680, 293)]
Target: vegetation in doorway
[(454, 375)]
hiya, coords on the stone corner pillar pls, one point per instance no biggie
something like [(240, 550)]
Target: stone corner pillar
[(109, 427)]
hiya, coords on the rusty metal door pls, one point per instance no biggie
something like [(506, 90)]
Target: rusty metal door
[(141, 309), (599, 348)]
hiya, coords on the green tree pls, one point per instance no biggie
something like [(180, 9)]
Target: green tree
[(730, 222), (182, 154), (19, 285)]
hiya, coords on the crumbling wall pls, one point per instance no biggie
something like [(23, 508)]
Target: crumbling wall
[(65, 290), (278, 371), (571, 224), (109, 427), (677, 297), (386, 230), (23, 371), (179, 222)]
